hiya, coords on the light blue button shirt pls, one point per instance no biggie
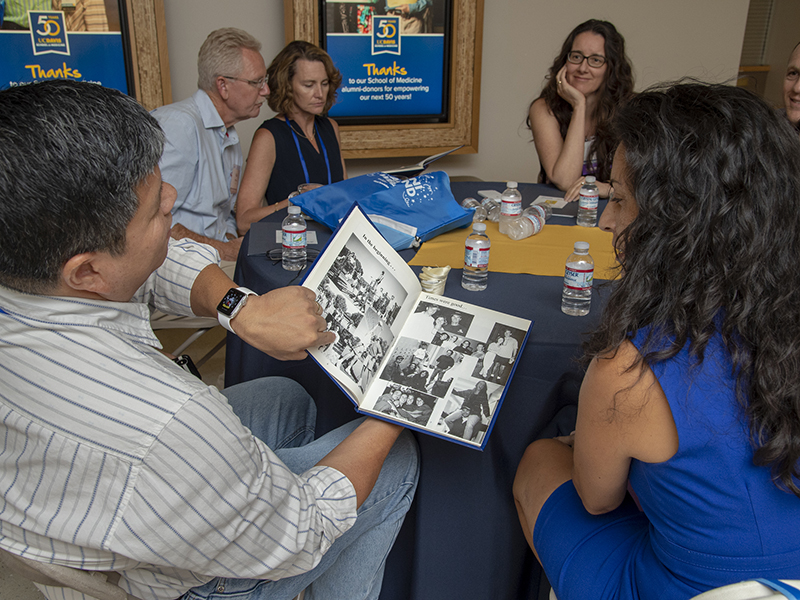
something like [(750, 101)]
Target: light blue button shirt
[(203, 161)]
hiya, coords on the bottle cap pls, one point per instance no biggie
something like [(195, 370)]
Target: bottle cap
[(294, 209), (511, 184), (581, 246), (590, 179), (479, 227)]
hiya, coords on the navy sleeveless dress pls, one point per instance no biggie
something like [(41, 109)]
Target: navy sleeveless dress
[(710, 517), (287, 173)]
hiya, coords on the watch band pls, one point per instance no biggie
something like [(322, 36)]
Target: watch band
[(225, 320)]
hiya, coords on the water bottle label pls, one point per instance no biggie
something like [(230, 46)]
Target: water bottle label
[(539, 209), (588, 201), (294, 239), (578, 279), (537, 221), (511, 208), (477, 258)]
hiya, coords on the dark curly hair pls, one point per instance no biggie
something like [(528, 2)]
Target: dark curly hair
[(713, 250), (617, 87), (282, 69)]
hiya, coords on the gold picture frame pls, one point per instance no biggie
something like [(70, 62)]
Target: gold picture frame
[(149, 55), (301, 21)]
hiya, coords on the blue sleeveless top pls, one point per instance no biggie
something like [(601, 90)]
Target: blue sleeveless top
[(715, 518)]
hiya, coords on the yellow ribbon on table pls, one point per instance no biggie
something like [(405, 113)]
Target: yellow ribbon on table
[(542, 254)]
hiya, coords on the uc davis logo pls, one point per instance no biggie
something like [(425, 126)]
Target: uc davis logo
[(48, 32), (386, 34)]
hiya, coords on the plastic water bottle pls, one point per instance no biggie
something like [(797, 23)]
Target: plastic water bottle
[(510, 206), (544, 206), (294, 240), (476, 259), (587, 203), (529, 223), (492, 207), (576, 299), (480, 212)]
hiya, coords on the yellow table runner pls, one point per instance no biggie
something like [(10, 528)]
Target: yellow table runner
[(541, 254)]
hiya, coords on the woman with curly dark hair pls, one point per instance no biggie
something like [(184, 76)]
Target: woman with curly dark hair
[(300, 144), (692, 395), (570, 118)]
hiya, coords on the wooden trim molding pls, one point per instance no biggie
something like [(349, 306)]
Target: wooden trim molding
[(301, 18), (149, 55)]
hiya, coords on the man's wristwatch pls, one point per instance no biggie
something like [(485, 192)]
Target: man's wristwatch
[(231, 304)]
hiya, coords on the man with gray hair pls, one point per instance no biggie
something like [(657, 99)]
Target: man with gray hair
[(203, 157), (113, 457)]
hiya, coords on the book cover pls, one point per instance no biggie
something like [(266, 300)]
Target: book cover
[(415, 169)]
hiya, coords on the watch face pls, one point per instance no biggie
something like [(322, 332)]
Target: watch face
[(230, 301)]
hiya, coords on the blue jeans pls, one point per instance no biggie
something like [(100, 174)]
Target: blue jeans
[(280, 412)]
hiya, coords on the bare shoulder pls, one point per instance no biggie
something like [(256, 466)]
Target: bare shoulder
[(263, 143), (622, 395), (540, 110)]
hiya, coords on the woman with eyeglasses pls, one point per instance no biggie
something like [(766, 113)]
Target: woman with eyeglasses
[(570, 118), (300, 144)]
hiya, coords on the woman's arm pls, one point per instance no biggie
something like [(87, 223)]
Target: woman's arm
[(260, 161), (603, 188), (339, 141), (561, 158), (621, 415)]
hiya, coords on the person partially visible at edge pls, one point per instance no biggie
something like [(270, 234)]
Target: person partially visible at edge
[(569, 120), (203, 156), (415, 17), (691, 398), (301, 143), (183, 490), (791, 88)]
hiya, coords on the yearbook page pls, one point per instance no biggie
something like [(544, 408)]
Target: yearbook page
[(427, 362)]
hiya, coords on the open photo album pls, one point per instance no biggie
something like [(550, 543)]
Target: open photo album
[(430, 363)]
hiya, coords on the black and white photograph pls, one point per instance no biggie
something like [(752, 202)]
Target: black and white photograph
[(421, 366), (499, 353), (469, 408), (359, 301), (405, 403)]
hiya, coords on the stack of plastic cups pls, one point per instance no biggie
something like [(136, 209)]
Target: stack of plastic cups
[(433, 279)]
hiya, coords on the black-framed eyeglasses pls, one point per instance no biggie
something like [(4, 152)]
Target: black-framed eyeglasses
[(258, 83), (594, 60)]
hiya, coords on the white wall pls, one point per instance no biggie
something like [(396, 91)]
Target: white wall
[(665, 40)]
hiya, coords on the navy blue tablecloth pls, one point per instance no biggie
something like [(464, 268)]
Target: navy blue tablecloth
[(462, 538)]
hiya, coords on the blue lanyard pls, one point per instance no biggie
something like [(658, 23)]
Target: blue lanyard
[(785, 589), (300, 152)]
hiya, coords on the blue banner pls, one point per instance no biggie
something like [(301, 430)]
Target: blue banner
[(398, 77), (48, 51)]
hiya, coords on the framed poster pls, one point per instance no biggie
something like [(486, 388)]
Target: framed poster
[(411, 78), (115, 43), (394, 59)]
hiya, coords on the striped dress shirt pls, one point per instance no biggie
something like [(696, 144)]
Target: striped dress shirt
[(114, 458)]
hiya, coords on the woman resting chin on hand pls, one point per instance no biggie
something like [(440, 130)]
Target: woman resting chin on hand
[(569, 120)]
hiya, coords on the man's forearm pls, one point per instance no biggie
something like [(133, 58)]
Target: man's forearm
[(282, 323), (360, 455)]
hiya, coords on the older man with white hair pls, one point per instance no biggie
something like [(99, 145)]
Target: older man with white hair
[(203, 157)]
